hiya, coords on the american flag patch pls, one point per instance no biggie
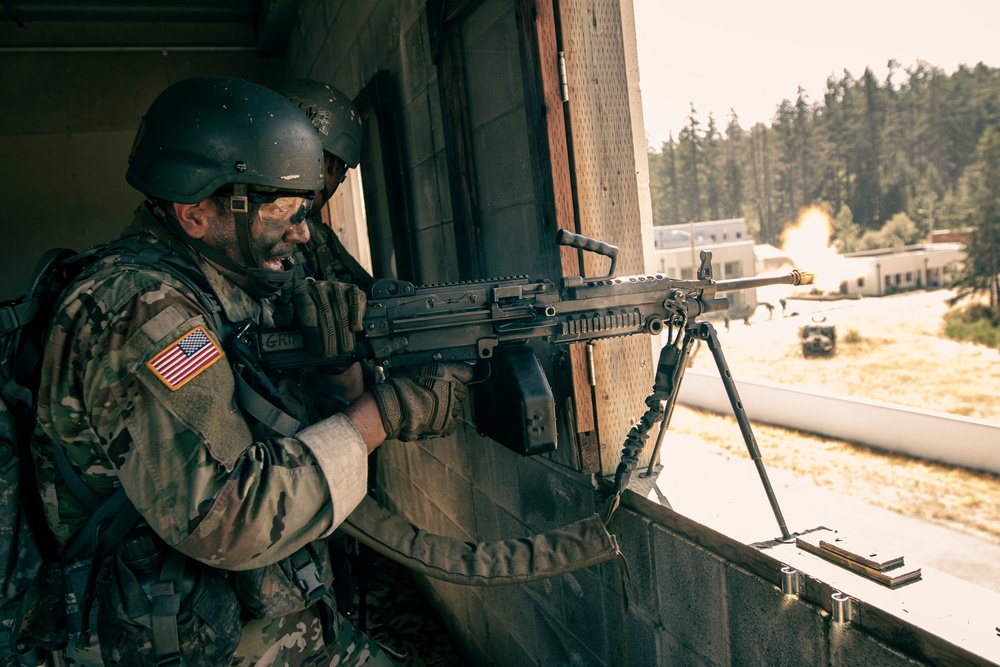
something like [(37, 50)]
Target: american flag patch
[(182, 360)]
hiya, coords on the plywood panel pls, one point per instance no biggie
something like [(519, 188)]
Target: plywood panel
[(598, 38)]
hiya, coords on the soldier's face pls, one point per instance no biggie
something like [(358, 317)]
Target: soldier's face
[(277, 225)]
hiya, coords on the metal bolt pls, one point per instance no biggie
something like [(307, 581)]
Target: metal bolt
[(791, 582), (842, 607)]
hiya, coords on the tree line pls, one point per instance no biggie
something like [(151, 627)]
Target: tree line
[(889, 160)]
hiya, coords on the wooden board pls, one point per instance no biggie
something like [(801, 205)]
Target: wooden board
[(893, 577)]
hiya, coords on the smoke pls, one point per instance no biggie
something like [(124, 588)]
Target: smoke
[(807, 242)]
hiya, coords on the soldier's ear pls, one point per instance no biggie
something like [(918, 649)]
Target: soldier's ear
[(194, 218)]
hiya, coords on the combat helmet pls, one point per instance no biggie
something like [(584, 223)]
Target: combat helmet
[(206, 134), (332, 113)]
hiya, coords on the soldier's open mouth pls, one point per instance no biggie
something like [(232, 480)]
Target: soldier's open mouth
[(276, 264)]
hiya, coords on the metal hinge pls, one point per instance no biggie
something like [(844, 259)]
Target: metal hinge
[(563, 79)]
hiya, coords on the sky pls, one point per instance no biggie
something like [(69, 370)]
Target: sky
[(723, 55)]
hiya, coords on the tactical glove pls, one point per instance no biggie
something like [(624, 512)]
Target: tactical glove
[(329, 315), (422, 401)]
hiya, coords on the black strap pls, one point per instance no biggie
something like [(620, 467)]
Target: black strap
[(77, 487)]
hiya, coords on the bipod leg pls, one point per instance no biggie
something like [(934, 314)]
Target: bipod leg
[(679, 364), (707, 333)]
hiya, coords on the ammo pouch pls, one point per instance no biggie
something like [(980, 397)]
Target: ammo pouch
[(286, 587), (158, 607)]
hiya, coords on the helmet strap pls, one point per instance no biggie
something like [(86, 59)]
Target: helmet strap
[(240, 206), (262, 282)]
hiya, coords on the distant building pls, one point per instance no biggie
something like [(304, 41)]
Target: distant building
[(771, 259), (732, 255), (952, 236), (888, 270)]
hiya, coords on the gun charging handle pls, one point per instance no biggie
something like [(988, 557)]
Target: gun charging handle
[(590, 245)]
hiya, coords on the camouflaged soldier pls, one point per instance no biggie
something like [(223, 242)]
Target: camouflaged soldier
[(151, 385), (323, 256)]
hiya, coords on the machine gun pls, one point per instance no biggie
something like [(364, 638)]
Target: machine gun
[(493, 320)]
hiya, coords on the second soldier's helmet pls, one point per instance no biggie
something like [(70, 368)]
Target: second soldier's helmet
[(332, 113), (206, 132)]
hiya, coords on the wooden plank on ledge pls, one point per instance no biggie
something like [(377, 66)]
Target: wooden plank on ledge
[(892, 578)]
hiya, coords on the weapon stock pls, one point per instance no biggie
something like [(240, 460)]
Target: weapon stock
[(494, 319)]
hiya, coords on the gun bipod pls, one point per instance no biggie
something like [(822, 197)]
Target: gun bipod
[(670, 369)]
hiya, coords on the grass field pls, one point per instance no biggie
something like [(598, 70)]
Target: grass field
[(889, 349)]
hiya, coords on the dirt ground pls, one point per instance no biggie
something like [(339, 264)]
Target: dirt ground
[(889, 349)]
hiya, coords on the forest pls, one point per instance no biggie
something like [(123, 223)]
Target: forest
[(889, 160)]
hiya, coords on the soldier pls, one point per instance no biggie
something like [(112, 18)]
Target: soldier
[(152, 393), (323, 256)]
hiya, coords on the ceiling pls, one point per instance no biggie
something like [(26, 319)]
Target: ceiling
[(60, 24)]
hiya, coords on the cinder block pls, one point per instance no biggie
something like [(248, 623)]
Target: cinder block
[(639, 646), (415, 56), (441, 164), (451, 493), (435, 254), (851, 647), (513, 609), (765, 628), (419, 142), (507, 180), (552, 496), (691, 585), (548, 594), (676, 654), (557, 645), (451, 452), (506, 484), (633, 532), (510, 526), (500, 227), (583, 610), (487, 528), (384, 24), (449, 528), (426, 197), (331, 10), (314, 38), (492, 62)]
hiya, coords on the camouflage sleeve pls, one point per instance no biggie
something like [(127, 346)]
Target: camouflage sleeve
[(157, 395)]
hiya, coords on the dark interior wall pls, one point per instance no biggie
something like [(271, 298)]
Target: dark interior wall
[(68, 116)]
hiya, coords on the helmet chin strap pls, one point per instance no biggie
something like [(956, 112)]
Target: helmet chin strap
[(262, 282)]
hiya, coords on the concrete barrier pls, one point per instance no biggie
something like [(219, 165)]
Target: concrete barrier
[(962, 441)]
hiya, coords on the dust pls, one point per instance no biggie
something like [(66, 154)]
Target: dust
[(888, 349)]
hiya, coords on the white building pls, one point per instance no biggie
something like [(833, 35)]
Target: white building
[(888, 270), (678, 255)]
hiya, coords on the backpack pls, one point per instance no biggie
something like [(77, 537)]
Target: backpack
[(29, 558), (46, 593)]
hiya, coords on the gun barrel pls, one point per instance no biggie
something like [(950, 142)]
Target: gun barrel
[(795, 277)]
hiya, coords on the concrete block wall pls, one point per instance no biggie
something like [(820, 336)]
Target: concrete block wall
[(346, 44), (694, 607)]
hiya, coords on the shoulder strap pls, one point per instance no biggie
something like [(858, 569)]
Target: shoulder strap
[(267, 406), (151, 253)]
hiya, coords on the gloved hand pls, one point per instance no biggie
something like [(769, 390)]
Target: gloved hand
[(329, 314), (422, 401)]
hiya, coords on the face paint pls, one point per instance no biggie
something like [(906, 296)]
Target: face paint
[(275, 230)]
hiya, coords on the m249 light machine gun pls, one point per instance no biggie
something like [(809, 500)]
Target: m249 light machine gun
[(493, 320)]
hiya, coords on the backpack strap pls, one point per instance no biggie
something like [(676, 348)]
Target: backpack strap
[(265, 405)]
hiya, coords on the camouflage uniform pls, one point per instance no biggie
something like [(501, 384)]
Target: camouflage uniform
[(214, 484)]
